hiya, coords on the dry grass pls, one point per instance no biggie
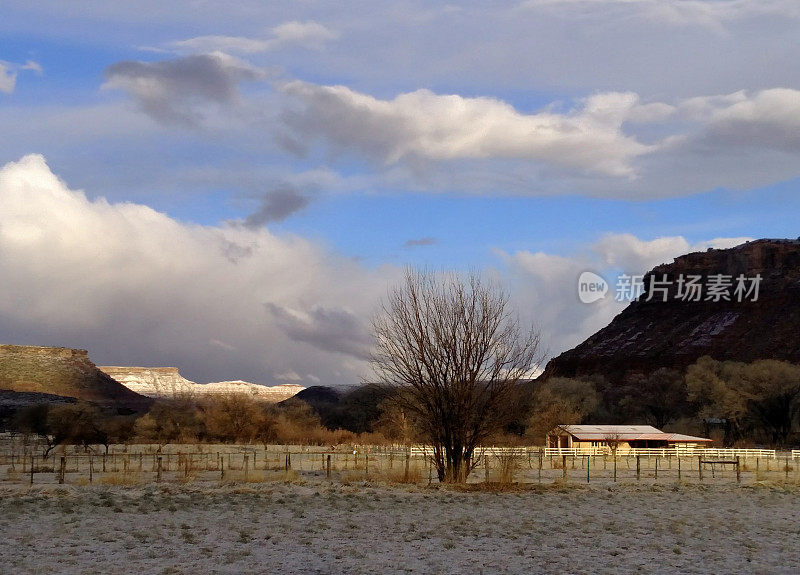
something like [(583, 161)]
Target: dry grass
[(121, 479), (506, 469), (398, 475), (349, 477)]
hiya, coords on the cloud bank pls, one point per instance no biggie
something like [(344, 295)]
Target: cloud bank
[(229, 302), (135, 286)]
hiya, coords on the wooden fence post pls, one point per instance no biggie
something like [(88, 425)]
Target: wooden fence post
[(63, 470), (158, 470), (638, 467), (328, 467), (366, 466), (615, 467), (700, 466), (31, 467), (738, 471), (91, 468), (540, 466), (679, 468), (587, 468), (246, 466), (656, 468), (486, 468), (563, 466)]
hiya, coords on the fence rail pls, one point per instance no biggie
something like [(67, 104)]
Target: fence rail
[(134, 464), (668, 452)]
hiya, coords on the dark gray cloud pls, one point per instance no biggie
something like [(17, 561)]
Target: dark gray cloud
[(173, 91), (334, 330), (276, 206), (426, 241)]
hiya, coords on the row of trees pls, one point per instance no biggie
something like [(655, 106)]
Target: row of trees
[(756, 402), (227, 419)]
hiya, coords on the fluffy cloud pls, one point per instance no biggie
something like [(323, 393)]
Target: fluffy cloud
[(137, 287), (768, 118), (632, 255), (175, 91), (8, 74), (424, 125), (302, 34), (607, 145)]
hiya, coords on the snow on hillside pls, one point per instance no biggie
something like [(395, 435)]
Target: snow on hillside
[(167, 382)]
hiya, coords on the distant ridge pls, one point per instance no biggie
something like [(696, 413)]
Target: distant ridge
[(168, 383)]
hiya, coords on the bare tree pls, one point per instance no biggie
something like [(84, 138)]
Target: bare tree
[(613, 440), (458, 354)]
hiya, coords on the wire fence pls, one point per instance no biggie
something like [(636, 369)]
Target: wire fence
[(27, 462)]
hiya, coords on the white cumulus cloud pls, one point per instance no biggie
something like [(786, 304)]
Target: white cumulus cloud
[(425, 125), (135, 286)]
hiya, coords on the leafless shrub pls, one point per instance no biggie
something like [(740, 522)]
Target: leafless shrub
[(456, 355)]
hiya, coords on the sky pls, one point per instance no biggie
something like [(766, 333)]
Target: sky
[(233, 188)]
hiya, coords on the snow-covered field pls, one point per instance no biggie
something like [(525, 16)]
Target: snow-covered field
[(317, 527)]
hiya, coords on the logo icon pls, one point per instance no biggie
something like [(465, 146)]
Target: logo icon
[(591, 287)]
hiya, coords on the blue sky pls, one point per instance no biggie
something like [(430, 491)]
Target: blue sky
[(321, 149)]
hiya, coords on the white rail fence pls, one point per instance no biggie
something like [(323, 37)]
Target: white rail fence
[(708, 452), (138, 464)]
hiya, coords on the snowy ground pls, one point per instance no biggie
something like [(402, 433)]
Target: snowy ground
[(316, 527)]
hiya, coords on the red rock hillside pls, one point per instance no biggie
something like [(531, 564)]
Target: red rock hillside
[(650, 335)]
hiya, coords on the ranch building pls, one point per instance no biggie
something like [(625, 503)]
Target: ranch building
[(624, 437)]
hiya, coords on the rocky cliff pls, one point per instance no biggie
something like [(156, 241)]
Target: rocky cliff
[(272, 394), (651, 334), (63, 372), (167, 382)]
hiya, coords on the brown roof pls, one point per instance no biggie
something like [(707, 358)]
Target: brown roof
[(627, 433)]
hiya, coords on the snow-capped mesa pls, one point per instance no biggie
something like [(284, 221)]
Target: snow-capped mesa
[(168, 383)]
